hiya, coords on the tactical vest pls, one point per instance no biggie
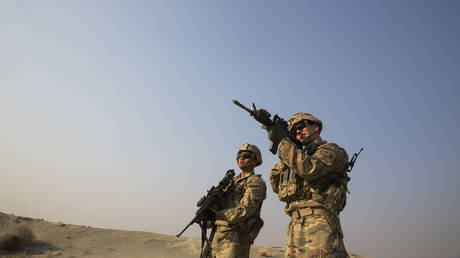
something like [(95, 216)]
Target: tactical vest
[(329, 192)]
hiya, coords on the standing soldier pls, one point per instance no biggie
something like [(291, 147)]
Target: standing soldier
[(238, 217), (311, 179)]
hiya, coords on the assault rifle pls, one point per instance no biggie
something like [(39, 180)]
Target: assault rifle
[(262, 116), (352, 161), (204, 214)]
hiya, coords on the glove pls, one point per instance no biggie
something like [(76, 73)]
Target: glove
[(276, 133), (209, 215)]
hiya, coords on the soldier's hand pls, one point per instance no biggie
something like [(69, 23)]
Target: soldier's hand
[(276, 133), (209, 215)]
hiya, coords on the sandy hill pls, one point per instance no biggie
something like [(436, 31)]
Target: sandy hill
[(56, 239)]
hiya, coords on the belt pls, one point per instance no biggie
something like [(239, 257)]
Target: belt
[(300, 213)]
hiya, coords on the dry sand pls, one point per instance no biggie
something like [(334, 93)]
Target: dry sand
[(56, 239)]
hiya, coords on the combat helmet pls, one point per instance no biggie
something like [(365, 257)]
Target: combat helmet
[(251, 148), (297, 117)]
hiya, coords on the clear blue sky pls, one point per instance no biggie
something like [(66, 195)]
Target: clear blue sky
[(118, 114)]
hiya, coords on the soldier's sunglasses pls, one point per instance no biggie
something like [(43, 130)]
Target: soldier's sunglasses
[(245, 156), (299, 126)]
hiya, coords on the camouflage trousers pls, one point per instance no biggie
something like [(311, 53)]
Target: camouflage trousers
[(229, 243), (312, 233)]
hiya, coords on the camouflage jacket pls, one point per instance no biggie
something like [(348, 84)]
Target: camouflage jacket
[(243, 200), (310, 177)]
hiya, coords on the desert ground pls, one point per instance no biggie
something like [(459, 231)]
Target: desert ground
[(57, 239)]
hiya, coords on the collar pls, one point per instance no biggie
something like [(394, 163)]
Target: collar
[(239, 177), (311, 147)]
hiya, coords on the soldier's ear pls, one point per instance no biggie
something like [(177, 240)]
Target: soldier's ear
[(316, 127)]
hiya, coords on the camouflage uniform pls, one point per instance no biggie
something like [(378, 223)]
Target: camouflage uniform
[(239, 222), (313, 184)]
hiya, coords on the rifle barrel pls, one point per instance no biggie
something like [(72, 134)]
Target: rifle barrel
[(236, 102), (183, 230)]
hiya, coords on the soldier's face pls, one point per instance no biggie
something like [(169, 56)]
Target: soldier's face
[(303, 132), (246, 160)]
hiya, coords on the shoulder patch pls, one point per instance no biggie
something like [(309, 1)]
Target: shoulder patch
[(256, 181), (325, 153), (331, 153)]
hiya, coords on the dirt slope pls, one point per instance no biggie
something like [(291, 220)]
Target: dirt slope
[(55, 239)]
